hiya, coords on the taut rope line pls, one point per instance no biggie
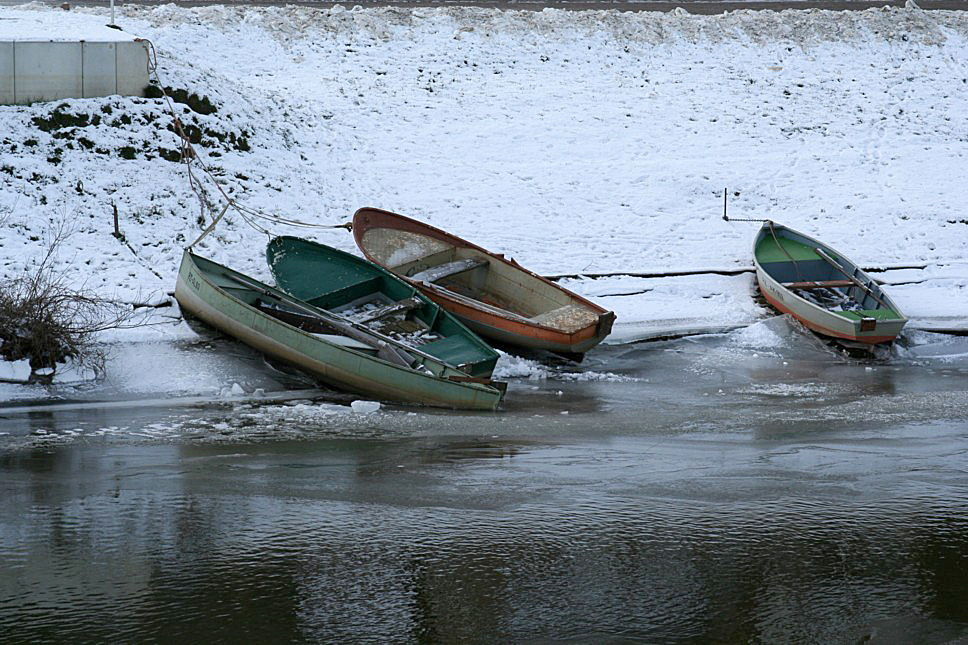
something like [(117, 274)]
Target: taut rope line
[(249, 215), (769, 223)]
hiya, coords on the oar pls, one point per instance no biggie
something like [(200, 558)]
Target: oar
[(384, 345), (850, 277)]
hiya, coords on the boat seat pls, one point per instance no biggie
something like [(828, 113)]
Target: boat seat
[(818, 284), (391, 309), (441, 271), (342, 295), (567, 319), (346, 341)]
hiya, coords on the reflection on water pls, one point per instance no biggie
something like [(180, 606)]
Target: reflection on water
[(723, 490), (455, 541)]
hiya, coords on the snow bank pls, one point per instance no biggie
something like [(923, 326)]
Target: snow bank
[(576, 142), (45, 26)]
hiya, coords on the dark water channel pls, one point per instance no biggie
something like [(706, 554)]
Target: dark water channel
[(750, 487)]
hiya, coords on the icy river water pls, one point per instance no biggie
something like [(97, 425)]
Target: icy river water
[(755, 486)]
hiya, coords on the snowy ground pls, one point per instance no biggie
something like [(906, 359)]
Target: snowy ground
[(576, 142)]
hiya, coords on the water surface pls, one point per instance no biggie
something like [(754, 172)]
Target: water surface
[(753, 486)]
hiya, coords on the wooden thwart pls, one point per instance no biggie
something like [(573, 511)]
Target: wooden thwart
[(441, 271), (818, 284)]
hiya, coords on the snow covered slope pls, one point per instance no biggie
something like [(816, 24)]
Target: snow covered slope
[(576, 142)]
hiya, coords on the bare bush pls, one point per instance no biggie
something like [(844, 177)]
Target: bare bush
[(46, 321)]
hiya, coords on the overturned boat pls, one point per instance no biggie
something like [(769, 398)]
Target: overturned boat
[(335, 350), (821, 288)]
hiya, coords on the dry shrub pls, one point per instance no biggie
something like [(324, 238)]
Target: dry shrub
[(46, 321)]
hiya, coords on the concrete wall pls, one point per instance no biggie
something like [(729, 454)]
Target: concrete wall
[(6, 72), (46, 71)]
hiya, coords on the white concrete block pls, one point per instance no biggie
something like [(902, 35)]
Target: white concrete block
[(6, 73), (47, 71), (99, 70)]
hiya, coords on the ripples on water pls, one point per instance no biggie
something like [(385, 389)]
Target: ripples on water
[(714, 494), (170, 567), (399, 541)]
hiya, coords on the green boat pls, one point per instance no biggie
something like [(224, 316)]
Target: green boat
[(337, 351), (357, 289), (821, 288)]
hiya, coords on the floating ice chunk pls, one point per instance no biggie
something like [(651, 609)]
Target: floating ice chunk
[(761, 335), (509, 366), (228, 392), (365, 407)]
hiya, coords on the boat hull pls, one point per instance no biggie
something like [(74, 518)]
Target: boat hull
[(494, 322), (332, 364), (503, 330), (817, 318)]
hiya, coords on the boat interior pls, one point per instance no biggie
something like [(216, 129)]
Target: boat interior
[(463, 273), (355, 292), (450, 348), (350, 289), (821, 277), (261, 297)]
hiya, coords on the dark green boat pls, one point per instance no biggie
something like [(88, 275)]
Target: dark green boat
[(367, 294)]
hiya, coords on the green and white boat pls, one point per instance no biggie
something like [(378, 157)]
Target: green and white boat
[(821, 288), (355, 288), (337, 351)]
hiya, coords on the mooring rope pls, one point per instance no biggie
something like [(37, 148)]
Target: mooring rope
[(796, 266), (736, 219), (769, 224), (249, 215)]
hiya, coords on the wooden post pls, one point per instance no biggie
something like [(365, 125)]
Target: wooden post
[(117, 231)]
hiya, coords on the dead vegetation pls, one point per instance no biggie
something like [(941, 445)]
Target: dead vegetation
[(46, 321)]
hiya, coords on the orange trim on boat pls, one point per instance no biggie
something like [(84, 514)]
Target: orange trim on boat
[(871, 340)]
